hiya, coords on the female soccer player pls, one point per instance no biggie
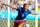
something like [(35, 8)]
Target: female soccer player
[(22, 13)]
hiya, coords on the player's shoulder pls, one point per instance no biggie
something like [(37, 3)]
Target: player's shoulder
[(28, 9), (19, 7)]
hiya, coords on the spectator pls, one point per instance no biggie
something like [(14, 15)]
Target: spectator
[(21, 2), (31, 4), (2, 7)]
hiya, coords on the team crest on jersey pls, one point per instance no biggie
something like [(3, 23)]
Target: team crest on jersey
[(26, 13), (22, 15)]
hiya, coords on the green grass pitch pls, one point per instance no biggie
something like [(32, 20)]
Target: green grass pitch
[(3, 23)]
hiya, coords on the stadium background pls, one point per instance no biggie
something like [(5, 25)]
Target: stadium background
[(13, 14)]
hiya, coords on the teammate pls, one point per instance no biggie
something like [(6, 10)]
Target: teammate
[(22, 13)]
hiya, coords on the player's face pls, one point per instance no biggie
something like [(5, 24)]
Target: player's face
[(26, 6)]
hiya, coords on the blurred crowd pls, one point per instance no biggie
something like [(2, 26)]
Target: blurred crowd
[(38, 5), (19, 3), (3, 7)]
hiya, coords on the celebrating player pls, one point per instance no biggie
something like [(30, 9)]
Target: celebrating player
[(22, 13)]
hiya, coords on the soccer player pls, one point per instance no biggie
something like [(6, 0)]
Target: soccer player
[(22, 13)]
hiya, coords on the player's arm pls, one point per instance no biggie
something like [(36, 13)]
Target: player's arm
[(34, 13), (10, 6)]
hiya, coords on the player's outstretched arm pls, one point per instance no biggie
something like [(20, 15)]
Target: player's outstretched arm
[(34, 13), (10, 6)]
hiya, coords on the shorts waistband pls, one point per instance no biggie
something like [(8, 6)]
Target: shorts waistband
[(20, 20)]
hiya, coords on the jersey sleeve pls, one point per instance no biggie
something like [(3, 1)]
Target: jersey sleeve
[(29, 12), (18, 8)]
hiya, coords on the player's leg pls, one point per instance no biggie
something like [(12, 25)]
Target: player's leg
[(20, 25), (16, 24)]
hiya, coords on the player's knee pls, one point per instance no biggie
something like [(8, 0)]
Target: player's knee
[(20, 26)]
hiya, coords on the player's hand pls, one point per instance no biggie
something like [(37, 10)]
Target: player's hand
[(4, 4), (36, 13)]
